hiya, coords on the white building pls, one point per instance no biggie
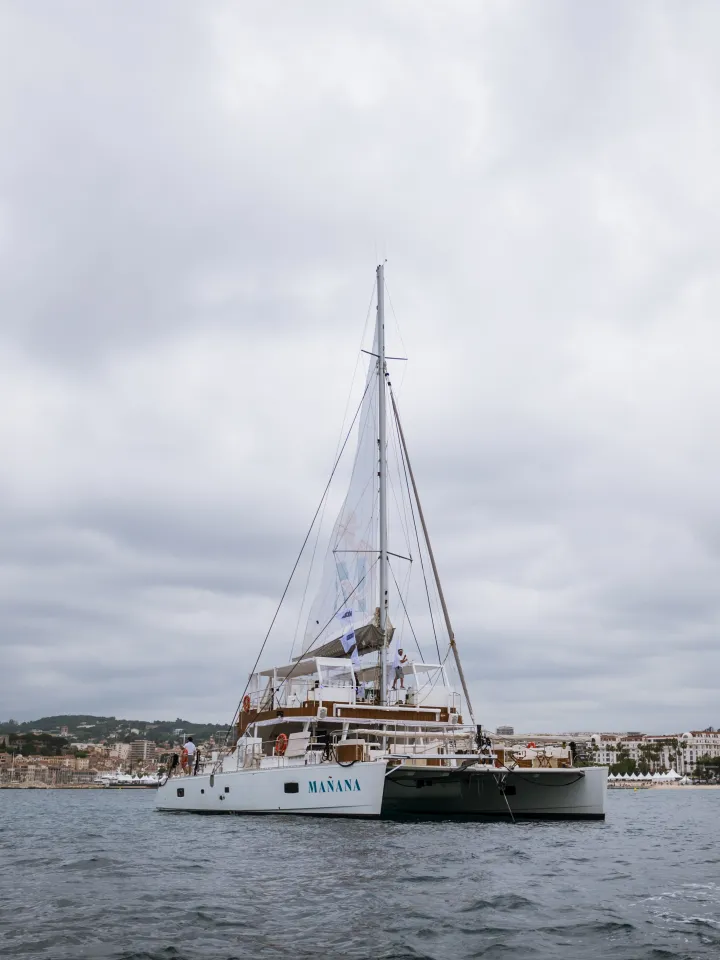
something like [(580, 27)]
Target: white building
[(677, 751)]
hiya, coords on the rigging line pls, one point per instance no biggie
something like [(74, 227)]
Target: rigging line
[(322, 516), (402, 514), (310, 646), (405, 593), (354, 589), (397, 327), (297, 561), (398, 456), (357, 360), (400, 517), (412, 629), (417, 538)]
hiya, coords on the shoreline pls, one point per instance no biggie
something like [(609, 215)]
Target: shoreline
[(663, 786), (76, 786)]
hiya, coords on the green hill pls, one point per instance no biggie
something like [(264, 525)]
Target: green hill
[(88, 728)]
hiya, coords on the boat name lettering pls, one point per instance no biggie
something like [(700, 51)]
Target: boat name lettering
[(330, 786)]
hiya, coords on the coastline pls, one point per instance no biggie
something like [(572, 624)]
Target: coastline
[(76, 786)]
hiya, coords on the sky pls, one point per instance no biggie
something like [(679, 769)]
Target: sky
[(193, 200)]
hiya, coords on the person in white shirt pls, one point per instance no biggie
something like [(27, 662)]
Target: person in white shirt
[(189, 748), (399, 672)]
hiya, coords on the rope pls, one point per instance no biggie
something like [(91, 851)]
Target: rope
[(319, 529), (295, 565), (412, 629), (417, 538)]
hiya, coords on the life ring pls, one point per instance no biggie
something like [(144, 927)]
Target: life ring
[(184, 757), (281, 744), (531, 745), (246, 703)]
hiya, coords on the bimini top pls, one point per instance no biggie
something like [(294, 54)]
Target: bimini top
[(305, 667)]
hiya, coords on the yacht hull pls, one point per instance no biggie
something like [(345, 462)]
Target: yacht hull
[(491, 794), (369, 790), (326, 789)]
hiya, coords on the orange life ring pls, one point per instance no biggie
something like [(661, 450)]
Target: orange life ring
[(531, 745), (184, 759), (246, 703), (281, 744)]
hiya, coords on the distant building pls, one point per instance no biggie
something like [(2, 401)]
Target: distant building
[(142, 751), (505, 731), (676, 751), (64, 731)]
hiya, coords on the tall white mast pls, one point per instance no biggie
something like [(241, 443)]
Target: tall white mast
[(382, 473)]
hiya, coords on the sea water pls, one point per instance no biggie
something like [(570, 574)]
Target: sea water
[(99, 873)]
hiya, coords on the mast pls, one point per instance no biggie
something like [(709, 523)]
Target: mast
[(446, 613), (382, 474)]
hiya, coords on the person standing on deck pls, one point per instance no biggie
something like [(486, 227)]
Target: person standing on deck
[(399, 672), (189, 748)]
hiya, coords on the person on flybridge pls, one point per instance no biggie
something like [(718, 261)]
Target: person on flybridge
[(400, 660), (188, 756)]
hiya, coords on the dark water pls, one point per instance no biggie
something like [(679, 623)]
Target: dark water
[(100, 874)]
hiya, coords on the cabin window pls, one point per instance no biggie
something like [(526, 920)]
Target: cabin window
[(181, 791), (292, 787), (202, 790), (212, 779), (227, 789)]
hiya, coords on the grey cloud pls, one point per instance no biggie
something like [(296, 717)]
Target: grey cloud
[(192, 202)]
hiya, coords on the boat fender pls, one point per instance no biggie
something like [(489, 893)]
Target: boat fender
[(281, 744)]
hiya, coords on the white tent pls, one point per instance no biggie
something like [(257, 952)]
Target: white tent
[(633, 776), (611, 776), (685, 780), (674, 775)]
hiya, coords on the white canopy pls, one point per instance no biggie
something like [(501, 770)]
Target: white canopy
[(674, 775)]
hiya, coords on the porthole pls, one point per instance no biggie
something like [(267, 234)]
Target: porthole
[(292, 788), (227, 789), (181, 791)]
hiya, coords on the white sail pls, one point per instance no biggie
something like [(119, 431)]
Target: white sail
[(350, 570)]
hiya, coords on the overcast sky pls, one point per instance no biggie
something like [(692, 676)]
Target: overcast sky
[(193, 199)]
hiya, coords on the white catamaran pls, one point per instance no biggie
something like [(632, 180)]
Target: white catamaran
[(330, 732)]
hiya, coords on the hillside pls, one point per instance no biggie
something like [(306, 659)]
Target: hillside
[(86, 728)]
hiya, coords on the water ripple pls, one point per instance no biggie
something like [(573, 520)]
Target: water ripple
[(98, 875)]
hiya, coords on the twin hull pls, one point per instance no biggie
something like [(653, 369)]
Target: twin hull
[(364, 790)]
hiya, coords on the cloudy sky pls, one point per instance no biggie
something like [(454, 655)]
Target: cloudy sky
[(193, 199)]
